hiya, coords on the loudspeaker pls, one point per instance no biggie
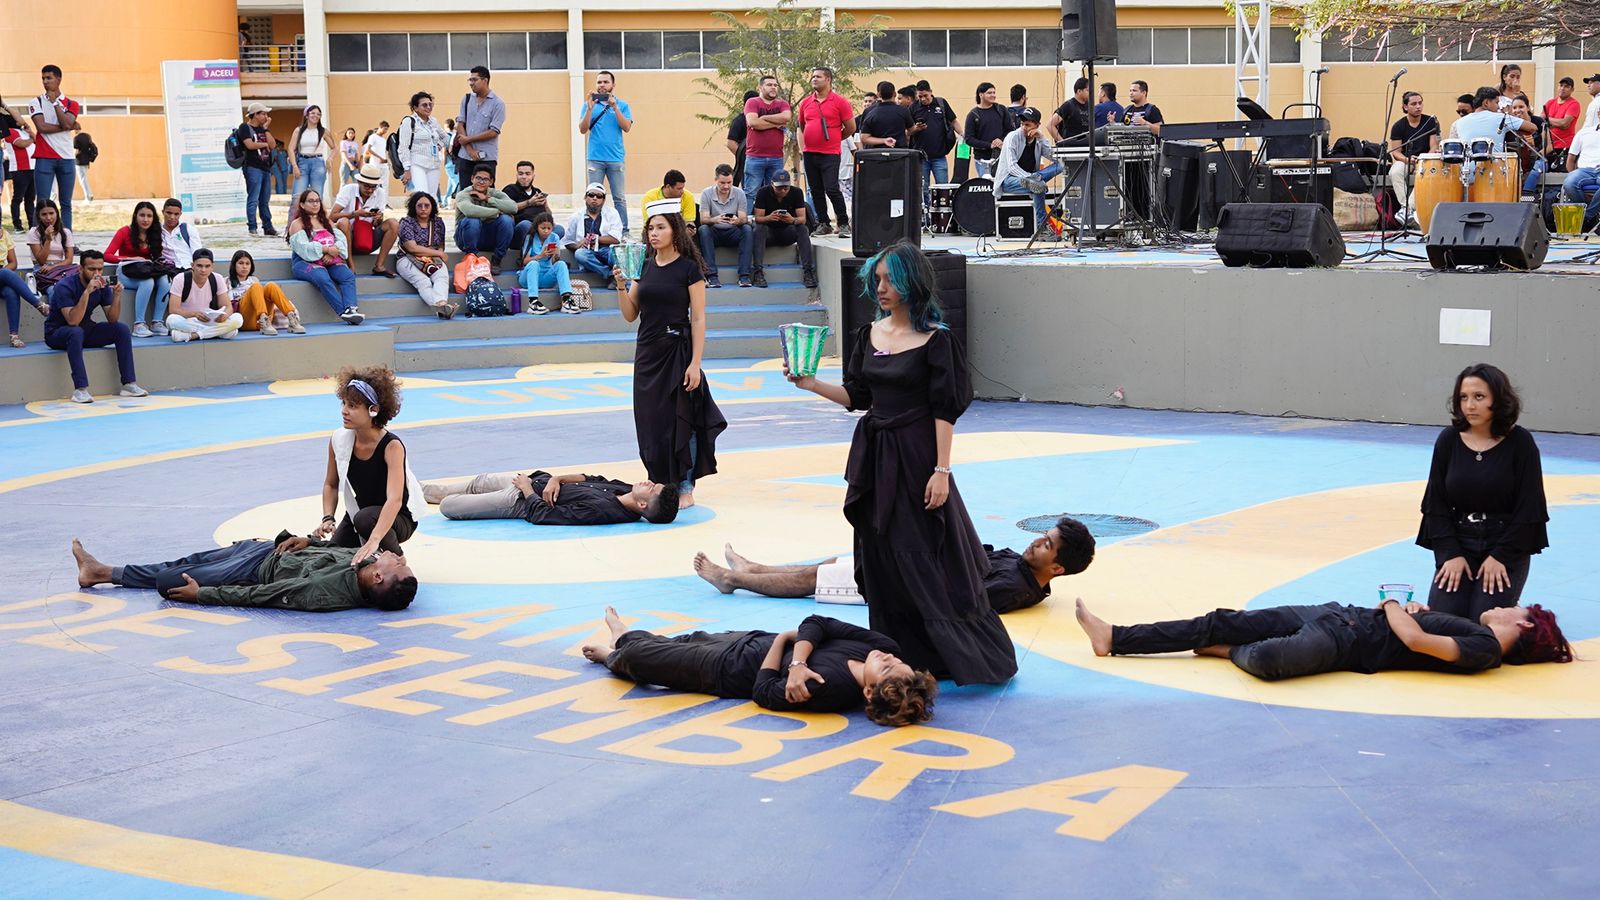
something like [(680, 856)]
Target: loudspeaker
[(1509, 235), (1179, 184), (1088, 30), (949, 279), (1293, 184), (888, 199), (1218, 186), (1278, 235)]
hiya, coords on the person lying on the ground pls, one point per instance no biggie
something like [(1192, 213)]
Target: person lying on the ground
[(288, 572), (832, 666), (1015, 580), (1290, 641), (545, 499)]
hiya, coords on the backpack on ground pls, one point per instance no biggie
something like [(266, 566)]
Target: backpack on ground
[(484, 299), (233, 150), (471, 267), (392, 147), (582, 296)]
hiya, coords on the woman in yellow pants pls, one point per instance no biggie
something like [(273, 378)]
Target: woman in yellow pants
[(255, 300)]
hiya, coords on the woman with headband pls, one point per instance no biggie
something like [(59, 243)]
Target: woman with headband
[(367, 467)]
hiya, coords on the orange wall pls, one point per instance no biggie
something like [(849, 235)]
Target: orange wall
[(109, 49)]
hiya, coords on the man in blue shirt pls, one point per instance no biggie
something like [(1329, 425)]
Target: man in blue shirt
[(69, 327), (1488, 122), (605, 119), (1108, 110)]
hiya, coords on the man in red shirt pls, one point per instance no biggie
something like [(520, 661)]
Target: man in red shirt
[(766, 120), (825, 119), (1561, 114), (55, 162)]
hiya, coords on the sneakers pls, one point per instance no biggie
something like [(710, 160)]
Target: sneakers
[(294, 324), (744, 281), (494, 264), (181, 337), (760, 278), (713, 282), (808, 277), (230, 330), (537, 308), (570, 306), (352, 316), (264, 325), (844, 231), (158, 328), (823, 230), (140, 329), (1033, 183), (81, 396), (132, 389)]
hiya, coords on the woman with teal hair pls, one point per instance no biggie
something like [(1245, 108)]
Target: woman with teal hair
[(919, 562)]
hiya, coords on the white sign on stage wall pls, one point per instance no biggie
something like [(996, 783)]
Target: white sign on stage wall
[(203, 108)]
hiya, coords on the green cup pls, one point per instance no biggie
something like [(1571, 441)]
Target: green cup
[(630, 259), (802, 346)]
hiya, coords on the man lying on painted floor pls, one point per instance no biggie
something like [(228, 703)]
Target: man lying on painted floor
[(1015, 580), (288, 572), (545, 499), (1289, 641), (833, 666)]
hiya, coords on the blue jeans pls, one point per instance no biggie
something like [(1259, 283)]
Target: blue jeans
[(1578, 182), (13, 289), (52, 173), (542, 273), (73, 338), (596, 261), (257, 197), (313, 175), (758, 172), (519, 235), (613, 172), (490, 236), (147, 294), (237, 564), (337, 284), (1013, 185), (941, 173), (714, 236)]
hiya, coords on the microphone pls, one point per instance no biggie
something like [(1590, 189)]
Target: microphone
[(1321, 71), (1397, 75)]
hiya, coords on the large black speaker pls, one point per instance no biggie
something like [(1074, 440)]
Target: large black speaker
[(1509, 235), (888, 199), (1278, 235), (1293, 184), (1088, 30), (1218, 186), (1179, 184), (950, 279)]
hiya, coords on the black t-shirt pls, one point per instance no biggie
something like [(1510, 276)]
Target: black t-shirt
[(1379, 649), (664, 294), (984, 126), (518, 193), (592, 501), (738, 128), (256, 159), (1074, 118), (888, 120), (1010, 584), (1150, 111), (834, 645), (1028, 160), (934, 139), (1414, 140), (767, 199)]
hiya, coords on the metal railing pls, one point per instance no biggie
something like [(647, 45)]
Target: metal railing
[(272, 58)]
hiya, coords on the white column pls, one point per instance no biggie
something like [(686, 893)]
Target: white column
[(1544, 75), (1310, 61), (576, 87), (316, 31)]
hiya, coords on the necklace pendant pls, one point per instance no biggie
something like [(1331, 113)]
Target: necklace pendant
[(1480, 456)]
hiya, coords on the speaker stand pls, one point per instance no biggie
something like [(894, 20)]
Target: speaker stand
[(1384, 251)]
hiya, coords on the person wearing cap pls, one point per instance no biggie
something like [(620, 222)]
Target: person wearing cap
[(483, 218), (672, 188), (1591, 115), (781, 221), (358, 212), (198, 307), (1023, 166), (1583, 174), (593, 231), (258, 144), (1561, 115)]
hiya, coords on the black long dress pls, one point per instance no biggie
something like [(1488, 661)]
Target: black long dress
[(667, 418), (920, 571)]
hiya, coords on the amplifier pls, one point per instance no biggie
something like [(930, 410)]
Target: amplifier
[(1293, 184)]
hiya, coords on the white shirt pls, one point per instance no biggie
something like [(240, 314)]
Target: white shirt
[(1586, 146), (1486, 125), (610, 224), (421, 143), (350, 198), (1591, 117), (178, 251), (377, 146), (59, 141)]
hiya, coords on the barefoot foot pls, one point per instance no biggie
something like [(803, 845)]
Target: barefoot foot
[(735, 561), (1220, 650), (614, 622), (1096, 628), (91, 571), (713, 573), (596, 653), (685, 501)]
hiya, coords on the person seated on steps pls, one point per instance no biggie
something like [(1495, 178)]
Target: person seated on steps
[(593, 232), (197, 307), (781, 221), (543, 267), (824, 665), (545, 499), (70, 326), (359, 210), (260, 303), (483, 218)]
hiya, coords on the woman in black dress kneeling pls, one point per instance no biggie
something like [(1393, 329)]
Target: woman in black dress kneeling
[(676, 420), (919, 562)]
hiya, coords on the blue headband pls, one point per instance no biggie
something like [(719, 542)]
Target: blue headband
[(364, 390)]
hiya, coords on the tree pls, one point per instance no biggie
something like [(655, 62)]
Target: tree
[(1508, 28), (788, 43)]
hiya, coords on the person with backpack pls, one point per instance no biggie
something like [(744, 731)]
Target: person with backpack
[(198, 306), (86, 153), (251, 143), (310, 143), (417, 149), (179, 239)]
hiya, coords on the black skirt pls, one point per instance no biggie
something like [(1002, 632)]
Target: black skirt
[(667, 418)]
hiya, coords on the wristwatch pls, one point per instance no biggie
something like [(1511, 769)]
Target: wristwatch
[(798, 662)]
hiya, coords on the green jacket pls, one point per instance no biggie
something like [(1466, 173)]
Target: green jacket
[(316, 579), (467, 205)]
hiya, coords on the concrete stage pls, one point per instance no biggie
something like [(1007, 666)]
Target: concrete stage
[(462, 748)]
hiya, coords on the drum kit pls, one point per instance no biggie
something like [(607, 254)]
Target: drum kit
[(1463, 171)]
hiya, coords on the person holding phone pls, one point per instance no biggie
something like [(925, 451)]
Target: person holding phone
[(724, 223), (70, 326), (781, 221), (604, 118)]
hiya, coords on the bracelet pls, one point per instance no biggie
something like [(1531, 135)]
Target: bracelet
[(944, 469), (798, 662), (327, 518)]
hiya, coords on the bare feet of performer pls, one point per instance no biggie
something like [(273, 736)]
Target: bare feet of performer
[(599, 652), (91, 571), (1097, 629), (771, 581)]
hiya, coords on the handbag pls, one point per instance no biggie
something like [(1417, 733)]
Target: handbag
[(139, 270), (46, 278)]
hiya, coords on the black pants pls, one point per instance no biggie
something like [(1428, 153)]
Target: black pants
[(1273, 643), (703, 662), (22, 197), (1470, 598), (354, 534), (822, 180), (769, 235), (218, 567)]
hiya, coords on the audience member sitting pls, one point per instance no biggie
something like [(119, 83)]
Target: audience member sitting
[(543, 267), (530, 203), (256, 302), (593, 231), (672, 188), (423, 261), (179, 239), (50, 244), (1464, 106), (724, 223), (14, 289), (136, 247), (1530, 149), (1021, 167), (545, 499), (195, 308), (781, 221), (1583, 174), (358, 211), (69, 325), (483, 218), (321, 256)]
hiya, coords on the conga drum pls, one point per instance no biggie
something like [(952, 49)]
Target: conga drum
[(1498, 180), (1434, 182), (942, 207)]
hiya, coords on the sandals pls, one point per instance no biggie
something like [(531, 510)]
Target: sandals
[(17, 343), (446, 310), (387, 273)]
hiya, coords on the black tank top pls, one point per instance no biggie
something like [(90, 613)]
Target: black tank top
[(369, 478)]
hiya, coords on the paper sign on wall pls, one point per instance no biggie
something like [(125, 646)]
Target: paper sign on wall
[(1466, 327)]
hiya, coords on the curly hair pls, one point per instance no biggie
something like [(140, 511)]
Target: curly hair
[(383, 382), (1544, 642), (681, 241), (416, 198), (1506, 405), (903, 699)]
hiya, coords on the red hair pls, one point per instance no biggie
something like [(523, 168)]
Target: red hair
[(1544, 642)]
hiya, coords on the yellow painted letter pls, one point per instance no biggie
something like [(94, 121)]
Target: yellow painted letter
[(263, 654), (896, 767), (456, 681), (601, 695), (1133, 789), (753, 744)]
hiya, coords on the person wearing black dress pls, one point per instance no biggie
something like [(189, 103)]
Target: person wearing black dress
[(674, 415), (1483, 512), (918, 560), (367, 467)]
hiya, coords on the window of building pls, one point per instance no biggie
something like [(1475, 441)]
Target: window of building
[(967, 48), (602, 50), (468, 49), (929, 48), (430, 52), (1285, 46), (681, 49), (714, 42), (1210, 46), (546, 49), (1043, 47), (347, 53), (1171, 47), (509, 51), (1573, 50), (389, 52), (641, 49), (1134, 47), (892, 48), (1005, 47)]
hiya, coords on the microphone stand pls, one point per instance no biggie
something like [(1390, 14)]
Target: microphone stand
[(1383, 249)]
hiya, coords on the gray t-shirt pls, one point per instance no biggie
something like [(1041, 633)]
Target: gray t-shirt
[(711, 206)]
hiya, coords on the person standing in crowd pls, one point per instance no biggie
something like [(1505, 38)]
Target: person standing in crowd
[(604, 119), (281, 178), (322, 256), (1140, 111), (531, 203), (1021, 167), (724, 222), (1411, 136), (14, 289), (197, 308), (1019, 101), (70, 326), (869, 99), (136, 247), (674, 415), (919, 562), (767, 117), (934, 135), (359, 211), (477, 131), (1561, 114), (179, 239), (349, 157), (593, 231), (368, 469), (308, 166), (422, 146), (824, 119), (781, 221), (986, 128), (886, 124), (738, 131), (423, 261), (1072, 118), (1483, 512), (543, 267), (55, 119), (1511, 84), (674, 187), (20, 141), (1591, 115), (84, 154), (375, 148), (258, 302), (448, 180), (483, 218), (258, 143), (1106, 109)]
